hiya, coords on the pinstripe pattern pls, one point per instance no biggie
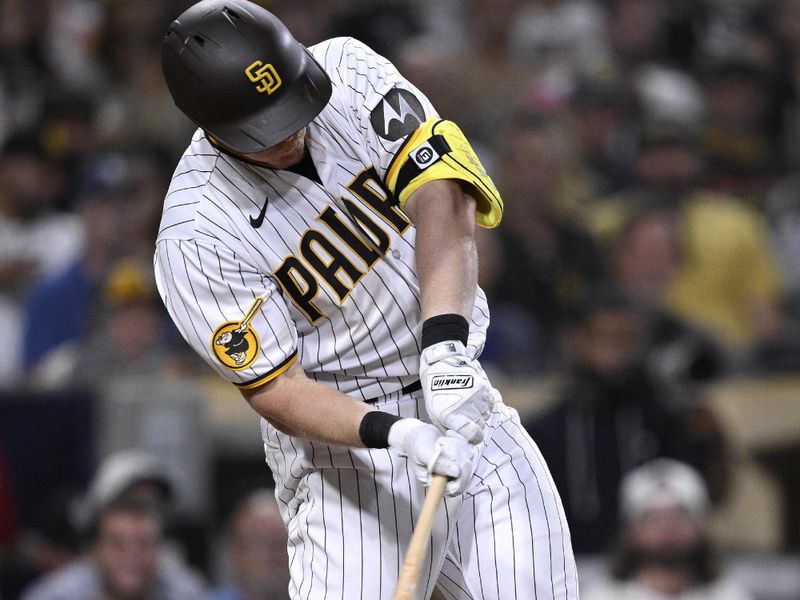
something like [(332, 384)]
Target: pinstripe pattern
[(347, 305), (350, 515), (366, 344), (524, 550)]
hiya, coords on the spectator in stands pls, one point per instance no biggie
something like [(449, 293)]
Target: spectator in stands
[(561, 37), (122, 561), (600, 109), (742, 138), (35, 240), (135, 105), (664, 550), (126, 474), (457, 82), (727, 282), (638, 31), (68, 133), (129, 337), (23, 83), (59, 310), (782, 211), (66, 308), (256, 551), (645, 257), (548, 260), (784, 25), (138, 475), (609, 416)]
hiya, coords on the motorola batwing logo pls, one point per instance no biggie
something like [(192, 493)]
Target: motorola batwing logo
[(397, 114)]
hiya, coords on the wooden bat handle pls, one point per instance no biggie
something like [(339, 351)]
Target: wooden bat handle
[(409, 576)]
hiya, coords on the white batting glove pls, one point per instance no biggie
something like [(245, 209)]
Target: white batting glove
[(432, 453), (458, 395)]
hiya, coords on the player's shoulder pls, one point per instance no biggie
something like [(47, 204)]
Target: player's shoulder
[(187, 188), (334, 50), (194, 167), (203, 184), (335, 47)]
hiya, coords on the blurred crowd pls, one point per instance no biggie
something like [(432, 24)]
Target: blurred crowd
[(647, 154)]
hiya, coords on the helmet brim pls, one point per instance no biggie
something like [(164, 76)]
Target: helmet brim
[(296, 108)]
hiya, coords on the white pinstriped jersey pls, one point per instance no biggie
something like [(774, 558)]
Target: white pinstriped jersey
[(258, 266)]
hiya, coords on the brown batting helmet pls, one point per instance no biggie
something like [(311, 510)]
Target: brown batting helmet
[(234, 69)]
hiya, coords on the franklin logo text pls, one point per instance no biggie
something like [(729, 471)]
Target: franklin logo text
[(451, 382)]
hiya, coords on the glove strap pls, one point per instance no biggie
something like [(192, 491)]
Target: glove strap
[(374, 428), (444, 328)]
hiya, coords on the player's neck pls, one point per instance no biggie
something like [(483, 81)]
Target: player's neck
[(305, 167), (270, 164)]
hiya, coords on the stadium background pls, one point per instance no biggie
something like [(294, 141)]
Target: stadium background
[(642, 146)]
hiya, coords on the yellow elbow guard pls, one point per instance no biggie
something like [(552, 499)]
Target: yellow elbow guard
[(439, 150)]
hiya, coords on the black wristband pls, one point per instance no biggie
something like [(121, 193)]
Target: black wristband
[(374, 428), (443, 328)]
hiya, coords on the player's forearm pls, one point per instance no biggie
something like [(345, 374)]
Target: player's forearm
[(304, 408), (447, 263)]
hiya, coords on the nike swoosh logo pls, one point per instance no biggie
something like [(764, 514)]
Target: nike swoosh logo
[(256, 223)]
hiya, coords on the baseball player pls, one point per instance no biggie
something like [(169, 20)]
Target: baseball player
[(325, 213)]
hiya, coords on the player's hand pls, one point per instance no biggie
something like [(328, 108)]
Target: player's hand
[(432, 453), (458, 395)]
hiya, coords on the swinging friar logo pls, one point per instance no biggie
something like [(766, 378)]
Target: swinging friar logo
[(451, 382), (235, 343)]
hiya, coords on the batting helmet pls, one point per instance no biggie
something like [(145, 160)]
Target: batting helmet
[(234, 69)]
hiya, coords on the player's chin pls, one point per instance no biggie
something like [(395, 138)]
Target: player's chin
[(284, 161), (289, 152)]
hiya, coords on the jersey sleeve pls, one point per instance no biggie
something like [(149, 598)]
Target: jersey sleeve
[(384, 106), (231, 314), (399, 130)]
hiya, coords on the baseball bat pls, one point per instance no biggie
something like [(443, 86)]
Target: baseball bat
[(409, 576), (251, 312)]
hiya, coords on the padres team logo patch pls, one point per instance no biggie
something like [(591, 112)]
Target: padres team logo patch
[(235, 343), (451, 382), (264, 76)]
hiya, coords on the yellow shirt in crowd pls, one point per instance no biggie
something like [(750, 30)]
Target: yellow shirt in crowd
[(726, 263)]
